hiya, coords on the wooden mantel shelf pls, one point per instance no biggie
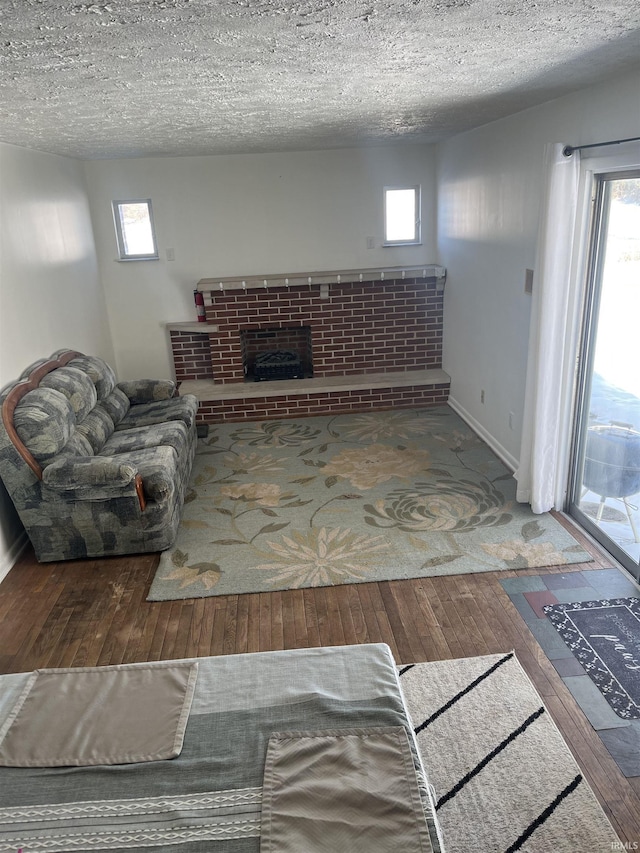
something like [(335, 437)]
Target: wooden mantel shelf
[(323, 277), (206, 390)]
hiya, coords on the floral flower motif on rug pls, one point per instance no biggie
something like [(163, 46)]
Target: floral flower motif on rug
[(205, 574), (320, 557), (263, 494), (252, 463), (440, 505), (275, 434), (532, 553), (366, 467), (380, 425)]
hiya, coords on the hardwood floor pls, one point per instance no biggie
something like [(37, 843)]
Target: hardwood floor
[(93, 613)]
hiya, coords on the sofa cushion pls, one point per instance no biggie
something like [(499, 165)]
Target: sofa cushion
[(44, 419), (148, 390), (170, 433), (101, 477), (93, 478), (77, 446), (176, 409), (117, 405), (76, 386), (100, 373), (96, 427)]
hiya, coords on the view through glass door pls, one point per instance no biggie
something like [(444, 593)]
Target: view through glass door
[(605, 491)]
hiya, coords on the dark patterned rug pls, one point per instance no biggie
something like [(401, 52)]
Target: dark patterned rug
[(604, 637)]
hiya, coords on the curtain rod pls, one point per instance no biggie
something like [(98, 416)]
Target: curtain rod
[(569, 149)]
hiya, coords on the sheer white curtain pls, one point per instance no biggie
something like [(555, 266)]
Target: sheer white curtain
[(549, 367)]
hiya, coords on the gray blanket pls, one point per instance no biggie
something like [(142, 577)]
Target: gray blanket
[(208, 798)]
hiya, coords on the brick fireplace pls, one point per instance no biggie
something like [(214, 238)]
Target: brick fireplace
[(353, 331)]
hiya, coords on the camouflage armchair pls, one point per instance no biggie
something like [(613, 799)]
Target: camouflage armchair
[(95, 466)]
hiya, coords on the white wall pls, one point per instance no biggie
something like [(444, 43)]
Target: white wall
[(50, 295), (488, 204), (244, 215)]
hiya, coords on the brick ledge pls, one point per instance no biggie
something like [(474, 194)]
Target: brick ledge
[(206, 390)]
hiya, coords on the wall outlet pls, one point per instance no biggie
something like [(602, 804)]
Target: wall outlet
[(171, 254), (482, 396)]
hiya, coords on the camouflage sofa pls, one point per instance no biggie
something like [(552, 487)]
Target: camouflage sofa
[(95, 466)]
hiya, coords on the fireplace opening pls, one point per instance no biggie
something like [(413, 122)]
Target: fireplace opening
[(277, 364), (275, 354)]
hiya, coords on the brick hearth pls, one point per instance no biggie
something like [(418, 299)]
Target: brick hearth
[(383, 336)]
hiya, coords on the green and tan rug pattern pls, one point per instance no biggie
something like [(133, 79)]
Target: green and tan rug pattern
[(350, 498)]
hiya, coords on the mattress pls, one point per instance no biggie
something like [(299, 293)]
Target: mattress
[(210, 796)]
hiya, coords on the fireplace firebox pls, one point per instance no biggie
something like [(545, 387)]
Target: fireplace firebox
[(272, 354), (277, 364)]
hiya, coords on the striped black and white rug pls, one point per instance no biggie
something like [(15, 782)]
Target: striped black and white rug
[(504, 778)]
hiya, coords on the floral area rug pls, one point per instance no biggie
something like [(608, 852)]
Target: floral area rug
[(350, 498)]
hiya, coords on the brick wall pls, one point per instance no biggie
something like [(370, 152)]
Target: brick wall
[(364, 327), (191, 355)]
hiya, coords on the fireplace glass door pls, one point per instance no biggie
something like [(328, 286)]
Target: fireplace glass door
[(280, 353)]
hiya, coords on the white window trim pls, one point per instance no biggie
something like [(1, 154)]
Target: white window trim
[(417, 241), (122, 255)]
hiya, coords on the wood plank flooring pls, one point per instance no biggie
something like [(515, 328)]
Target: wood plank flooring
[(94, 612)]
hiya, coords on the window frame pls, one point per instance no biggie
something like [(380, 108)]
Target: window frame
[(417, 239), (123, 255)]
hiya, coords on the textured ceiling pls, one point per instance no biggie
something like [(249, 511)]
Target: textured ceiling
[(184, 77)]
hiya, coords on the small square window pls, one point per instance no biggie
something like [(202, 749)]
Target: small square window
[(401, 216), (134, 230)]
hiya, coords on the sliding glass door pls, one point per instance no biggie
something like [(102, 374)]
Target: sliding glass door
[(605, 488)]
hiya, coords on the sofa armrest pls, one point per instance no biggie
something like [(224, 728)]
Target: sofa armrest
[(92, 478), (148, 390)]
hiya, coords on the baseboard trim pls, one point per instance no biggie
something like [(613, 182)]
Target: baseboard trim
[(12, 555), (510, 461)]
